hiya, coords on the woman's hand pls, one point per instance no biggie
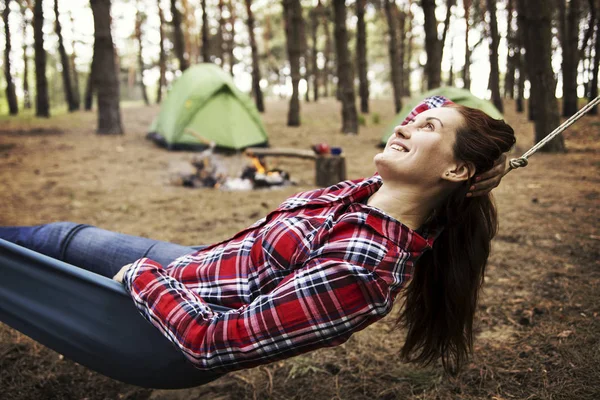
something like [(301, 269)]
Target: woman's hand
[(119, 276), (487, 181)]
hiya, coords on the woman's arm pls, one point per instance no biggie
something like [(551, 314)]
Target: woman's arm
[(317, 306)]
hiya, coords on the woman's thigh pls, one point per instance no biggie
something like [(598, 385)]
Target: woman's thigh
[(97, 250)]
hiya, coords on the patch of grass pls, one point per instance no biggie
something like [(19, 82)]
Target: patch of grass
[(375, 118), (362, 121)]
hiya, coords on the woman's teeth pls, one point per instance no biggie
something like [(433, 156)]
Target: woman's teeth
[(397, 148)]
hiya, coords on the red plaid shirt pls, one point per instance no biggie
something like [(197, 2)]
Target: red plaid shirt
[(322, 266), (319, 268)]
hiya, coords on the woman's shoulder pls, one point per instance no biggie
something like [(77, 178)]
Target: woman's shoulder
[(345, 189)]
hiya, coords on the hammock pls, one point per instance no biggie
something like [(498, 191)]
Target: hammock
[(89, 319)]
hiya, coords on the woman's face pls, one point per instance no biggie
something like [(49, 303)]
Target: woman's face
[(422, 151)]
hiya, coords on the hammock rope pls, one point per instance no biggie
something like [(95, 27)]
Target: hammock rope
[(522, 161)]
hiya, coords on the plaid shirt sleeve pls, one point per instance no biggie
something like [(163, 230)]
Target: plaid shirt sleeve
[(334, 294)]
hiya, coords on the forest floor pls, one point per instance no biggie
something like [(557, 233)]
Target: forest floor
[(538, 322)]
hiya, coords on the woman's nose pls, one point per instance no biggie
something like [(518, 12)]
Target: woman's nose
[(402, 131)]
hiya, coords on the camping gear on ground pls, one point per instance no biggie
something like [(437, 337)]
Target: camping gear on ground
[(329, 168), (90, 319), (205, 103), (321, 148), (458, 96)]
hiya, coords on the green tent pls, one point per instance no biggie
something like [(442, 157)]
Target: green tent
[(459, 96), (204, 102)]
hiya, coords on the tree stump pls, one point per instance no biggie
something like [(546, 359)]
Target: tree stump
[(330, 170)]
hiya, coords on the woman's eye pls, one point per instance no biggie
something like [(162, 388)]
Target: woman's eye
[(430, 126)]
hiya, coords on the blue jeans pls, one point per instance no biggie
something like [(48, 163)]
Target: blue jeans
[(97, 250)]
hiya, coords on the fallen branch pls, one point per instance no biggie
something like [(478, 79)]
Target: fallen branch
[(259, 151)]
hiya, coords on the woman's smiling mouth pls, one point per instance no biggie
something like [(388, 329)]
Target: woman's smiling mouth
[(397, 147)]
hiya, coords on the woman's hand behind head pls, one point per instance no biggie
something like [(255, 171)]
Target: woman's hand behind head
[(485, 182)]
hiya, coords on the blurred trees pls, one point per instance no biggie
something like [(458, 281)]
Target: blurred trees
[(296, 46), (64, 59), (494, 82), (593, 89), (345, 72), (434, 45), (537, 17), (42, 104), (256, 91), (361, 56), (139, 20), (11, 94), (25, 11), (104, 70), (162, 54), (287, 51), (395, 61), (570, 14), (178, 39)]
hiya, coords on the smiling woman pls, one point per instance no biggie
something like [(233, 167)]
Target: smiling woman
[(327, 262)]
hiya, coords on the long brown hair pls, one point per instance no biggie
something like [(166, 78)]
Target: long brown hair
[(441, 298)]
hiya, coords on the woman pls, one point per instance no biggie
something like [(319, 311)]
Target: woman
[(327, 262)]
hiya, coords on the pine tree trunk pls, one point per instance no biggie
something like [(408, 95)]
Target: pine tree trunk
[(361, 56), (11, 94), (26, 91), (64, 60), (396, 76), (344, 70), (314, 19), (526, 67), (73, 64), (42, 105), (89, 89), (328, 55), (104, 74), (178, 39), (294, 29), (538, 18), (188, 23), (75, 80), (520, 66), (466, 72), (307, 73), (221, 35), (408, 57), (231, 42), (205, 34), (257, 92), (569, 38), (140, 58), (162, 55), (594, 81), (433, 45), (509, 78), (401, 31), (494, 69), (450, 81)]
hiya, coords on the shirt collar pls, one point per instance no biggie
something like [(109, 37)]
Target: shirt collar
[(350, 192)]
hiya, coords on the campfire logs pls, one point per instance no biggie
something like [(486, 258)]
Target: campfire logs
[(329, 169)]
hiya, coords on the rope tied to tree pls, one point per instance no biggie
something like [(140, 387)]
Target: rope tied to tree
[(522, 161)]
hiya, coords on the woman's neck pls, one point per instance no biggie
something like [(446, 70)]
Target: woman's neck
[(410, 205)]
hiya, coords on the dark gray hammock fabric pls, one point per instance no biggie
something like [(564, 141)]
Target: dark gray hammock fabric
[(89, 319)]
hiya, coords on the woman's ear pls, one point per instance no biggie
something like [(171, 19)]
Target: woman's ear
[(459, 172)]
